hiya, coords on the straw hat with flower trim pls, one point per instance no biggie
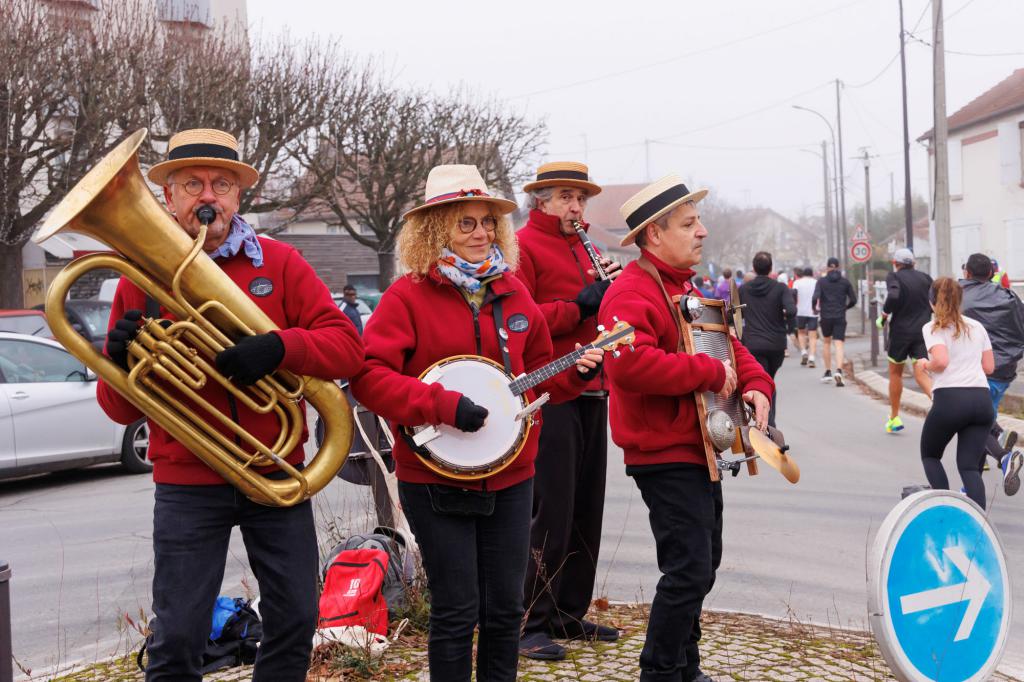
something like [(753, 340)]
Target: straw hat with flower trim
[(204, 147), (654, 201), (457, 182), (564, 174)]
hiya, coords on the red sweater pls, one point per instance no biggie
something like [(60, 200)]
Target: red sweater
[(652, 411), (319, 340), (421, 321), (553, 266)]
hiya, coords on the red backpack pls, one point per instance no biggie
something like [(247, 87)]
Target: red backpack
[(352, 591)]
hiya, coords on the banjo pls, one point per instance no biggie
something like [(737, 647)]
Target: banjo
[(471, 456)]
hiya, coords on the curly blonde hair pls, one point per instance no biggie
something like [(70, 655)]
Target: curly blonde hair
[(425, 234)]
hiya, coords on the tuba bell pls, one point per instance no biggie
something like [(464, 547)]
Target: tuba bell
[(168, 366)]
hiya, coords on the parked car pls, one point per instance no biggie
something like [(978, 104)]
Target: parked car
[(89, 317), (49, 417), (31, 322)]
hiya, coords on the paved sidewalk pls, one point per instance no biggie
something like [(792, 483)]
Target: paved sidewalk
[(736, 647)]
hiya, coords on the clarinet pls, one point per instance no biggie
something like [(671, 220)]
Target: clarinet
[(591, 251)]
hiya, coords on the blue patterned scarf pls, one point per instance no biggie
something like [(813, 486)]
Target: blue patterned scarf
[(468, 275), (241, 235)]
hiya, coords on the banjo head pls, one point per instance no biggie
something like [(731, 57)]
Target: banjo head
[(482, 453)]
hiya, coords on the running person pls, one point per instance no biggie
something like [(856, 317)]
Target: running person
[(806, 320), (833, 296), (959, 358), (1001, 312), (906, 302)]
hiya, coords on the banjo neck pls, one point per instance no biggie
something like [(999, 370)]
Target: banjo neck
[(524, 382), (621, 334)]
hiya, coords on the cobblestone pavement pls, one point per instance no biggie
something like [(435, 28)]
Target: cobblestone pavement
[(736, 647)]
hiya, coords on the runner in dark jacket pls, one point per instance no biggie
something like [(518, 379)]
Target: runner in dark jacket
[(769, 307), (906, 302), (1001, 312), (833, 296)]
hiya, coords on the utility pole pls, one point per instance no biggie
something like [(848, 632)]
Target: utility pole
[(842, 184), (941, 201), (908, 209), (892, 191), (828, 204)]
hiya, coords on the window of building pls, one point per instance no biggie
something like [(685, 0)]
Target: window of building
[(1021, 141), (333, 229), (185, 11)]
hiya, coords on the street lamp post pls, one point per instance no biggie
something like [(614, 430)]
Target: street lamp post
[(836, 239), (823, 154)]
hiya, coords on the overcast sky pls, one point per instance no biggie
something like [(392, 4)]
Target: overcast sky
[(711, 84)]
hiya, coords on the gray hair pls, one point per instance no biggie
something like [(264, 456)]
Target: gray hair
[(535, 197)]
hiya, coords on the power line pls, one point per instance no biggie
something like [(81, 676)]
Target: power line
[(685, 55), (895, 56)]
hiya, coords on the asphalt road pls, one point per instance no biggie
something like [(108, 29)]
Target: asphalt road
[(800, 550), (79, 542)]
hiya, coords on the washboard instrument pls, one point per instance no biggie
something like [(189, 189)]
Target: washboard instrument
[(465, 456), (725, 423)]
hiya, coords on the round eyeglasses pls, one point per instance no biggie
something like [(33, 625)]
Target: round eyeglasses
[(468, 224), (195, 186)]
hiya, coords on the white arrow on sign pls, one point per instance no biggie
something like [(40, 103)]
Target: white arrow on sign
[(974, 589)]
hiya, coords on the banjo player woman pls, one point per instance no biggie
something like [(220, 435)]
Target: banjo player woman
[(460, 298)]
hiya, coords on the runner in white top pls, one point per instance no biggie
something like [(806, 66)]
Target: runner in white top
[(806, 320), (959, 358)]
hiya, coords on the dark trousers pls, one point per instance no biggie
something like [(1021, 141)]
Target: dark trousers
[(474, 563), (967, 414), (771, 360), (568, 508), (191, 530), (686, 519)]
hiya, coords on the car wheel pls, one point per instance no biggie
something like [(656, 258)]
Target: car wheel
[(135, 448)]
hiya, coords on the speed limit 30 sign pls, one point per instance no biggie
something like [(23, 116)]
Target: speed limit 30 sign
[(860, 251)]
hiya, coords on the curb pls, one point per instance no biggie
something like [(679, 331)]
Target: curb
[(911, 402)]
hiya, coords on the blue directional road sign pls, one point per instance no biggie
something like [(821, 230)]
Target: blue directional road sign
[(939, 593)]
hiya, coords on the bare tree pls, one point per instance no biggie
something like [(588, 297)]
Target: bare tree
[(67, 93), (379, 144), (270, 93)]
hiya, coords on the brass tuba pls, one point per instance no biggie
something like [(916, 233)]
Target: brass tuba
[(170, 365)]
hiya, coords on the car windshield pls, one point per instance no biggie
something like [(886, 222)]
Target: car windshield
[(33, 325), (95, 314)]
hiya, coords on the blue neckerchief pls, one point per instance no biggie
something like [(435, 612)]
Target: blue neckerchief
[(241, 235)]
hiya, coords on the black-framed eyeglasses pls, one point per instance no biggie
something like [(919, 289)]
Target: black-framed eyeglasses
[(468, 224), (195, 186)]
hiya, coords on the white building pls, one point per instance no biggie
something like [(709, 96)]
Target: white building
[(986, 177)]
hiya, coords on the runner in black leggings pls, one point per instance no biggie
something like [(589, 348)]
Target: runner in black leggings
[(959, 358)]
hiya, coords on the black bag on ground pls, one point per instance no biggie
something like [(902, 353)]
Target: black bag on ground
[(235, 634)]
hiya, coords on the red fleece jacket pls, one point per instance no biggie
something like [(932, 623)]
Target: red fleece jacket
[(553, 266), (319, 340), (421, 321), (652, 411)]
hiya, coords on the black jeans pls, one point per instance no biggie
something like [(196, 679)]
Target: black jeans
[(191, 530), (475, 562), (686, 518), (771, 360), (568, 508)]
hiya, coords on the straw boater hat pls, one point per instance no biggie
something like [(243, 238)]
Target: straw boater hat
[(454, 182), (204, 147), (563, 174), (654, 201)]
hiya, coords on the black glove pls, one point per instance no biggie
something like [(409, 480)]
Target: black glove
[(469, 416), (123, 332), (588, 373), (589, 298), (251, 358)]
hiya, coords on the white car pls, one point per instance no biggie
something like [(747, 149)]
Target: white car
[(49, 416)]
